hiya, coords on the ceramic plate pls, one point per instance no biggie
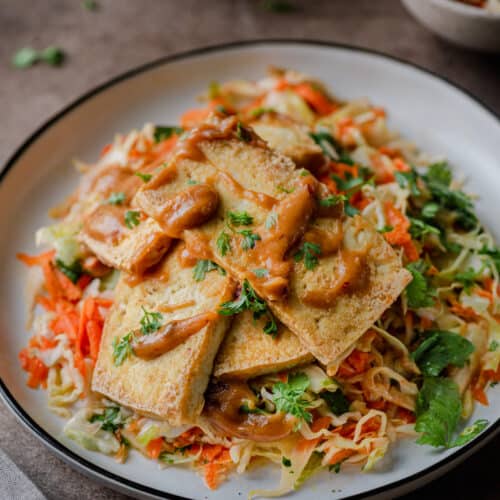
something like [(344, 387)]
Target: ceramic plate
[(435, 114)]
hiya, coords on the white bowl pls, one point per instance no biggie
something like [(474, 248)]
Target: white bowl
[(461, 24)]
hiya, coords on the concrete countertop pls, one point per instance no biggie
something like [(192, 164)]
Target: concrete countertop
[(122, 34)]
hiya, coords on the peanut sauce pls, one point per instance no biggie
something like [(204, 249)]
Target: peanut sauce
[(196, 247), (166, 308), (158, 273), (169, 336), (116, 179), (350, 273), (223, 402), (106, 224), (190, 208), (263, 200), (329, 241)]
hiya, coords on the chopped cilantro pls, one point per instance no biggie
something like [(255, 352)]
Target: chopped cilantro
[(310, 253), (224, 243), (192, 182), (289, 396), (327, 143), (331, 200), (429, 210), (493, 253), (286, 461), (385, 229), (144, 177), (493, 346), (73, 271), (150, 321), (467, 278), (420, 229), (258, 112), (240, 218), (116, 198), (52, 55), (419, 292), (132, 218), (271, 327), (245, 408), (441, 349), (122, 349), (261, 273), (25, 57), (203, 267), (335, 467), (163, 132), (249, 239), (336, 401), (283, 189), (111, 419), (243, 133), (408, 180)]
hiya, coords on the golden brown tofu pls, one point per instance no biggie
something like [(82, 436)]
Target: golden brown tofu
[(248, 352), (289, 138), (323, 308), (170, 386)]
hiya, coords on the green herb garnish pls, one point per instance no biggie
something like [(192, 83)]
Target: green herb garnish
[(203, 267), (419, 292), (116, 198), (144, 177), (132, 218), (122, 349), (242, 218), (249, 239), (289, 396), (163, 132), (150, 321), (310, 253)]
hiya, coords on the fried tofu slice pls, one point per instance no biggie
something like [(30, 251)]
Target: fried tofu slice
[(289, 138), (329, 325), (133, 250), (250, 177), (171, 386), (248, 352)]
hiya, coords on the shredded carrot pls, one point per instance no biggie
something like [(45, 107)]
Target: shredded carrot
[(357, 362), (154, 448), (425, 323), (211, 451), (36, 369), (304, 445), (341, 455), (466, 313), (282, 84), (479, 395), (211, 475), (399, 235), (321, 423), (315, 98), (106, 149), (379, 404), (283, 376), (194, 117), (406, 415)]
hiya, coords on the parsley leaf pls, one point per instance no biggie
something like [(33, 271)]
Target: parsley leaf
[(439, 173), (309, 252), (271, 327), (116, 198), (408, 180), (243, 133), (493, 346), (25, 57), (438, 411), (419, 292), (429, 210), (132, 218), (203, 267), (288, 396), (52, 55), (240, 218), (150, 321), (385, 229), (336, 401), (286, 461), (327, 143), (122, 349), (493, 253), (223, 243), (249, 239), (144, 177), (163, 132), (111, 419), (440, 349), (73, 271)]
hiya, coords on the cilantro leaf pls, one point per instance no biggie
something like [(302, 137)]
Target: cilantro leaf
[(385, 229), (332, 200), (429, 210), (122, 349), (240, 218), (420, 229), (261, 273), (249, 239), (25, 57), (327, 143), (439, 173), (258, 112), (493, 346), (223, 243), (438, 411), (470, 432), (310, 253), (150, 321), (116, 198), (336, 401), (271, 327), (144, 177), (73, 271), (408, 180), (419, 292), (243, 133), (467, 278), (132, 218), (288, 396), (441, 349), (163, 132), (52, 55), (286, 461), (493, 253), (111, 419), (203, 267)]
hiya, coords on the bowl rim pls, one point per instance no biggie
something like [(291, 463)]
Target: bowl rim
[(121, 482), (468, 10)]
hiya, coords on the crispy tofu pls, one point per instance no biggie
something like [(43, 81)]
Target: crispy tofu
[(289, 138), (325, 331), (329, 331), (248, 352), (139, 248), (171, 386)]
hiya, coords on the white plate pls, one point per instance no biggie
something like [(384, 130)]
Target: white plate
[(432, 112)]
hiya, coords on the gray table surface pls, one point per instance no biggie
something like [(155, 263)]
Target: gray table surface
[(122, 34)]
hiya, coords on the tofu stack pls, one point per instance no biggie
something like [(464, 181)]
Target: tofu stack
[(219, 168)]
